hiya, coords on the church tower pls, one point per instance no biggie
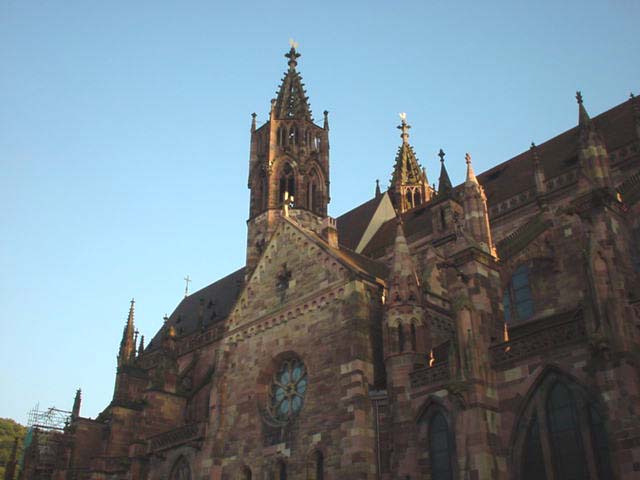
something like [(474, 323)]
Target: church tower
[(289, 160)]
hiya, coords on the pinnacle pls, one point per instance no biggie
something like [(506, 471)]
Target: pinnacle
[(444, 182), (471, 176), (583, 116)]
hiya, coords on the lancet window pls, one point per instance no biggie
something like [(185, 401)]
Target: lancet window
[(564, 436), (518, 299), (314, 193), (180, 470), (438, 440), (287, 182)]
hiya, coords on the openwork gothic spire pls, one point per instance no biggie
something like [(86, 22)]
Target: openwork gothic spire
[(292, 101), (409, 185)]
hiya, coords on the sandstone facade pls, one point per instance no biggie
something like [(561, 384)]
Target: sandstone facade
[(489, 330)]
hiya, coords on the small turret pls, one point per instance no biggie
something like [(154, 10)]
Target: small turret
[(404, 286), (405, 343)]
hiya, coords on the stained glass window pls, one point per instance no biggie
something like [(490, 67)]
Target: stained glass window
[(288, 389)]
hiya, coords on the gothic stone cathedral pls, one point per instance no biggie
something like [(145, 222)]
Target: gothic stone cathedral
[(488, 330)]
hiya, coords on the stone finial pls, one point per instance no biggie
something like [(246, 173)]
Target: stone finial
[(292, 55), (253, 121), (326, 119), (378, 192), (404, 127), (583, 116), (471, 176)]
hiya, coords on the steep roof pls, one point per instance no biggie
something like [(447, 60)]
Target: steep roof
[(219, 298), (352, 225), (415, 222), (557, 155)]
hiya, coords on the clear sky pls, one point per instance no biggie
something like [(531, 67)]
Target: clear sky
[(124, 140)]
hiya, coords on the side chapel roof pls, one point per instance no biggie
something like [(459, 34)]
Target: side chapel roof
[(219, 298)]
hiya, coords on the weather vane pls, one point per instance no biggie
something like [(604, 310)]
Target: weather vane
[(293, 44), (403, 116)]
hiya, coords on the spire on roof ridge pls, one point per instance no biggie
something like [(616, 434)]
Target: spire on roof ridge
[(444, 182), (409, 186), (378, 192), (471, 176), (583, 116), (127, 345)]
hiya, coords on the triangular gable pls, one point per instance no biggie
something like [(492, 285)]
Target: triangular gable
[(296, 265)]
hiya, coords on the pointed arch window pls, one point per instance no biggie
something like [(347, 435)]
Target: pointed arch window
[(517, 299), (319, 465), (400, 338), (287, 182), (440, 448), (246, 474), (282, 470), (565, 436), (281, 134), (438, 439), (314, 193), (294, 136), (413, 337), (180, 470)]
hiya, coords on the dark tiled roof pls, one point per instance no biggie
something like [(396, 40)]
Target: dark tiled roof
[(558, 155), (351, 225), (219, 298), (416, 222), (372, 267)]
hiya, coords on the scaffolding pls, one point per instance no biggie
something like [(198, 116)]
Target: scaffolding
[(51, 419), (43, 443)]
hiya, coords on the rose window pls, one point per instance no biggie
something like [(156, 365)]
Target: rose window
[(288, 389)]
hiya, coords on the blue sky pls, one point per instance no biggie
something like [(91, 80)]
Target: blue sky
[(124, 140)]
